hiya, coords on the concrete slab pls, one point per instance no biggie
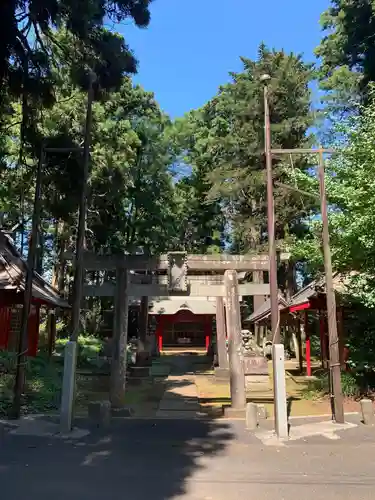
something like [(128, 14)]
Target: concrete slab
[(31, 426), (326, 429), (221, 373), (230, 412)]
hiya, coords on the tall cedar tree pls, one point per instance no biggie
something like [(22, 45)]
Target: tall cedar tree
[(225, 148)]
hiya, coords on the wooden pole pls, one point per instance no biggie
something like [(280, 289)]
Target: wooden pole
[(323, 343), (143, 320), (334, 357), (278, 361), (341, 335), (308, 345), (51, 329), (120, 340), (27, 296), (143, 355), (237, 377), (334, 361), (299, 341), (221, 338), (207, 334)]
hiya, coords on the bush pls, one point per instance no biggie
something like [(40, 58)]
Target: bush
[(319, 387), (90, 350)]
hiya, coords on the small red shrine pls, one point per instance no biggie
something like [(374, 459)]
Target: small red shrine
[(183, 322), (12, 286), (296, 313)]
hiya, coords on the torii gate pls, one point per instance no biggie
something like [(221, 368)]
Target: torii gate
[(179, 274)]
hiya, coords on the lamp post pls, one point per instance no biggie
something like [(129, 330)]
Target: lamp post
[(281, 418), (80, 242), (70, 356), (334, 354)]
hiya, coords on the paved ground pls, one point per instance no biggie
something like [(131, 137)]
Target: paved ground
[(190, 459), (182, 459), (180, 399)]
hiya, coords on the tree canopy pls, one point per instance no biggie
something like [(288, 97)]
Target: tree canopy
[(347, 52), (223, 142)]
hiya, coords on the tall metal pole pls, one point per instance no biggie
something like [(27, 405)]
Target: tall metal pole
[(334, 364), (271, 225), (70, 356), (281, 421), (27, 297), (80, 242)]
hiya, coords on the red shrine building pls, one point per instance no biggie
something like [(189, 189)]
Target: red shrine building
[(12, 286), (307, 308), (182, 322)]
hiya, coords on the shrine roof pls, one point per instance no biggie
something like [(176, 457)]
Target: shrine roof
[(13, 272), (165, 306), (312, 290), (318, 287), (265, 309)]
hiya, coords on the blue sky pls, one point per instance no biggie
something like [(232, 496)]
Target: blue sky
[(191, 45)]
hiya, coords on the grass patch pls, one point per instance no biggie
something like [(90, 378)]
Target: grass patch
[(44, 380), (42, 387)]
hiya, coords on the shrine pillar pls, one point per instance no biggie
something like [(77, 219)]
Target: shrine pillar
[(233, 322), (51, 331), (341, 337), (159, 333), (323, 339), (308, 345), (143, 355), (208, 333), (120, 339), (221, 339)]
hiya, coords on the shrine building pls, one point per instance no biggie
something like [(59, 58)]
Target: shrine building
[(180, 322)]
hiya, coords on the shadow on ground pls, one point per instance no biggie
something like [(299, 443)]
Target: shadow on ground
[(150, 459), (135, 460)]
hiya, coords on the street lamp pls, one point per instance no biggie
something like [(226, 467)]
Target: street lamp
[(281, 419)]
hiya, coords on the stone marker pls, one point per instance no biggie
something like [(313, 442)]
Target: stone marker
[(100, 413), (255, 365), (68, 387), (251, 416), (367, 408)]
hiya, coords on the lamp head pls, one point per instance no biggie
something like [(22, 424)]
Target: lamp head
[(265, 78)]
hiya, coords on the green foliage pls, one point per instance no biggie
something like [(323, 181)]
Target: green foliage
[(29, 38), (347, 52), (360, 336), (223, 142), (350, 188), (43, 384), (90, 351), (319, 387)]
